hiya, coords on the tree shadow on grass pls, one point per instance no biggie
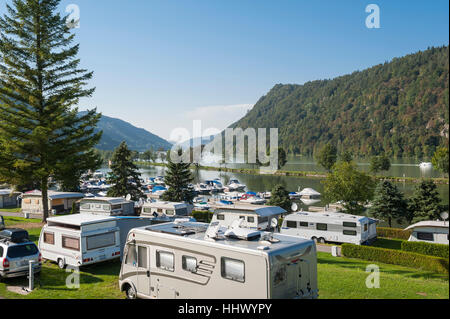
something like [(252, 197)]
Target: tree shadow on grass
[(354, 264)]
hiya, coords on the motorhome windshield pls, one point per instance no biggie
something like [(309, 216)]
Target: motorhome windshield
[(22, 251)]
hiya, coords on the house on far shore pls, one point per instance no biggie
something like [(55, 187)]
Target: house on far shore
[(8, 198), (59, 202)]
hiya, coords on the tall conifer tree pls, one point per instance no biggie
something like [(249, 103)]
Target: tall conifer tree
[(178, 178), (40, 83), (125, 175)]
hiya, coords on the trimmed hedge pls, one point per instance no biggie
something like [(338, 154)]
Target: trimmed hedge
[(396, 257), (395, 233), (437, 250), (203, 216)]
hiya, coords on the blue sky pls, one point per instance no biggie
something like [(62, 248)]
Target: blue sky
[(160, 64)]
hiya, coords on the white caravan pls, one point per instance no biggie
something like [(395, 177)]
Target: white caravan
[(193, 261), (84, 239), (162, 209), (330, 227), (107, 206), (255, 216), (429, 231)]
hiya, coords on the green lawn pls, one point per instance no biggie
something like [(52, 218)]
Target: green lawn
[(10, 210), (344, 278), (338, 278)]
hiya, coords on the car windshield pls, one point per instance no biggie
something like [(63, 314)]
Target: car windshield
[(22, 250)]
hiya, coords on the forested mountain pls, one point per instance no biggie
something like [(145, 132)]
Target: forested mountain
[(115, 131), (399, 107)]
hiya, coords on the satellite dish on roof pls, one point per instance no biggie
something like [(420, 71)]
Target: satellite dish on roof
[(294, 207), (128, 197), (444, 215)]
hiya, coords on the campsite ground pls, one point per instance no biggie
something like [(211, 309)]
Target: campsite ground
[(338, 278)]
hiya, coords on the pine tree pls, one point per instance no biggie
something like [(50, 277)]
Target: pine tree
[(280, 197), (425, 203), (125, 176), (440, 159), (40, 83), (380, 163), (388, 203), (178, 178)]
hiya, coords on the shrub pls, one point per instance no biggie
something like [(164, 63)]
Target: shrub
[(395, 233), (438, 250), (202, 215), (396, 257)]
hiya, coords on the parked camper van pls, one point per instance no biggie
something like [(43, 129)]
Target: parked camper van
[(16, 251), (256, 216), (84, 239), (200, 261), (160, 209), (330, 226), (107, 206), (429, 231)]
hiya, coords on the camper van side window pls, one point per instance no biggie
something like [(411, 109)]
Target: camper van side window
[(349, 224), (303, 224), (114, 207), (320, 226), (349, 232), (85, 206), (49, 238), (250, 219), (170, 212), (71, 243), (100, 241), (165, 260), (291, 223), (142, 257), (131, 255), (147, 210), (220, 217), (189, 263), (425, 236), (233, 269)]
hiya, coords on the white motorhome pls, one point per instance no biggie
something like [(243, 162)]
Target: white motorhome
[(84, 239), (161, 209), (429, 231), (200, 261), (256, 216), (107, 206), (330, 227)]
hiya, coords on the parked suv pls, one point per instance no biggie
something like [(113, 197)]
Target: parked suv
[(16, 251)]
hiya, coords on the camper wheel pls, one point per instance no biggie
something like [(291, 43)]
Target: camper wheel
[(322, 240), (314, 239), (131, 293), (61, 263)]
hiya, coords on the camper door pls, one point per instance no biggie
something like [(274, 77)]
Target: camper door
[(136, 267)]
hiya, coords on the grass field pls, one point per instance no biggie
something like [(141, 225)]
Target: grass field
[(338, 278)]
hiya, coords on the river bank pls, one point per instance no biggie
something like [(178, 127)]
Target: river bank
[(309, 174)]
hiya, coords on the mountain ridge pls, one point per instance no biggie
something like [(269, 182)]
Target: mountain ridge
[(399, 107), (116, 130)]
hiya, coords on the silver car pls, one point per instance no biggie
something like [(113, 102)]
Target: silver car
[(16, 254)]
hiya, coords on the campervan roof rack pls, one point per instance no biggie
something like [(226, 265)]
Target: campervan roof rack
[(184, 229)]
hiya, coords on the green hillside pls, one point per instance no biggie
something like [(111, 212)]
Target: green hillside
[(115, 131), (399, 107)]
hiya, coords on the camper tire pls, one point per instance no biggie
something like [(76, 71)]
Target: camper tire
[(314, 239), (130, 292), (322, 240), (61, 263)]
